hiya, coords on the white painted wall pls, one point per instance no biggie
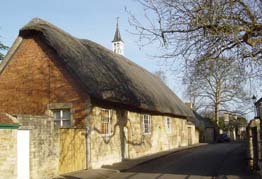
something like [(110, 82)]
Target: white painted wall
[(23, 154)]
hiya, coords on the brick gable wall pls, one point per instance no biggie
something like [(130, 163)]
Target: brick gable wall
[(34, 78)]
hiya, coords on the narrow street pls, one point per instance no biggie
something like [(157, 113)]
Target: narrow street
[(226, 161)]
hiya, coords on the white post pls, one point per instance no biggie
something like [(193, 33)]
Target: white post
[(23, 155)]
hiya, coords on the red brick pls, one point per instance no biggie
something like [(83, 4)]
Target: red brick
[(34, 78)]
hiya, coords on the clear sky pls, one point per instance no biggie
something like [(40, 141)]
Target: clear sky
[(90, 19)]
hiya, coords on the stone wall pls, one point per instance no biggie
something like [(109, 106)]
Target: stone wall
[(196, 136), (103, 150), (209, 134), (8, 156), (44, 146), (193, 134), (128, 141), (140, 144), (254, 153)]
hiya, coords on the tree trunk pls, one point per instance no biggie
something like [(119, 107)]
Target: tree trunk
[(217, 102), (217, 108)]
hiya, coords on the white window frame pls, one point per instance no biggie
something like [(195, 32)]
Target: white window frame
[(109, 132), (61, 120), (168, 125), (149, 123)]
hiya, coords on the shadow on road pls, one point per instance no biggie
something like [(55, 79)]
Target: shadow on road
[(217, 161)]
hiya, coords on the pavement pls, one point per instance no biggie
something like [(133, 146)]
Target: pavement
[(109, 170)]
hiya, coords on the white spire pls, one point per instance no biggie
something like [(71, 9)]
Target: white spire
[(118, 43)]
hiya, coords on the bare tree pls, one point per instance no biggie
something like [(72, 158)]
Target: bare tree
[(196, 28), (217, 84), (2, 48)]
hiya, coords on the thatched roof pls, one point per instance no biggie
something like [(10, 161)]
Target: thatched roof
[(106, 75), (205, 121)]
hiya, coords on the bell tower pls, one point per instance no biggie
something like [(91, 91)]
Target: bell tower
[(118, 43)]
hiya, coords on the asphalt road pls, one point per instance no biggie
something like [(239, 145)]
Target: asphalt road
[(217, 161)]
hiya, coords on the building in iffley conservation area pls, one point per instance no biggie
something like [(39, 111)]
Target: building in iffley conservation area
[(78, 105), (254, 135)]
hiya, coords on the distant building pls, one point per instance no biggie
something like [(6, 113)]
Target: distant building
[(226, 118), (254, 135), (234, 125), (206, 128)]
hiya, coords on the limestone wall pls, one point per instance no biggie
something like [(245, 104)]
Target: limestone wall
[(127, 139), (160, 139), (102, 149), (196, 136), (44, 146), (8, 156), (209, 135)]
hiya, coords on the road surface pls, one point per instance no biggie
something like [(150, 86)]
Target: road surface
[(216, 161)]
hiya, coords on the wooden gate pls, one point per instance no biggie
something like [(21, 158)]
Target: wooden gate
[(72, 150)]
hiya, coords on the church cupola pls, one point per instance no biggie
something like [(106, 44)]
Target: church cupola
[(118, 43)]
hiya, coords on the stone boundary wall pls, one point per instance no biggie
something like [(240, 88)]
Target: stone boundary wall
[(8, 156), (44, 146)]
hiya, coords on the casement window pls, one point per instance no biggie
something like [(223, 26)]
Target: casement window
[(62, 117), (106, 122), (168, 124), (146, 124)]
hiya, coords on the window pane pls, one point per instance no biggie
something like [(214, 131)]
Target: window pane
[(62, 117), (146, 128), (66, 123), (105, 121), (147, 123), (146, 117), (168, 123), (104, 128), (66, 114), (57, 115)]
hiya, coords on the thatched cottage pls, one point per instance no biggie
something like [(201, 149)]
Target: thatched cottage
[(121, 110)]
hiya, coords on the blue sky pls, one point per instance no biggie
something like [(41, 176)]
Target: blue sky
[(93, 20)]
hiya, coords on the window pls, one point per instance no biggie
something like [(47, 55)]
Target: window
[(146, 124), (168, 125), (105, 122), (62, 117)]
